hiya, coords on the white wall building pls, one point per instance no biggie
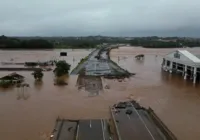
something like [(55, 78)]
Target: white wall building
[(184, 62)]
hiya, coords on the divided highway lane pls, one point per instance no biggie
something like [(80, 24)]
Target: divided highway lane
[(130, 126), (65, 130), (149, 124), (137, 125), (91, 56), (155, 131), (68, 131), (92, 130)]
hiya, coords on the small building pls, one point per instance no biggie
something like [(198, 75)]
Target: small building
[(14, 77), (184, 63)]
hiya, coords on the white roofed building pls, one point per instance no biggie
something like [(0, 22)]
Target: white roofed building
[(184, 62)]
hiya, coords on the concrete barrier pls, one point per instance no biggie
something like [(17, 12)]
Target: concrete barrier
[(115, 125), (59, 130)]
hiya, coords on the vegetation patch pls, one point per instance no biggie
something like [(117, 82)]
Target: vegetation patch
[(62, 68), (38, 74)]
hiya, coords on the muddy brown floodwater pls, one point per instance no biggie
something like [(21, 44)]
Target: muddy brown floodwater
[(31, 115)]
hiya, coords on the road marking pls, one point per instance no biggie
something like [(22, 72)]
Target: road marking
[(90, 124), (143, 122), (128, 117), (102, 126), (77, 132)]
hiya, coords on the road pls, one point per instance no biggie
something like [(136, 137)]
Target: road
[(136, 125), (94, 66), (91, 56), (92, 130), (65, 130), (130, 127), (99, 67), (155, 131)]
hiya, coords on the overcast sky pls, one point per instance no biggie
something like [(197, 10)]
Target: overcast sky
[(100, 17)]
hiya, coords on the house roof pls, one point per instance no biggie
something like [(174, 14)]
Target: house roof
[(189, 55), (13, 76)]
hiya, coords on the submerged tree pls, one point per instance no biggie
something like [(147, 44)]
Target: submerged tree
[(38, 74), (62, 68)]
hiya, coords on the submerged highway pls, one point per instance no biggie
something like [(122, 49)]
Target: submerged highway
[(98, 63)]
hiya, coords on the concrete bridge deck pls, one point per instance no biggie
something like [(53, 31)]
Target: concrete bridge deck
[(81, 130), (135, 122), (131, 122)]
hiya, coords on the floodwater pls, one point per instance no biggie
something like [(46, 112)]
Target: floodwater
[(30, 113)]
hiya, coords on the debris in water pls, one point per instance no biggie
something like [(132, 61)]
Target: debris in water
[(107, 87)]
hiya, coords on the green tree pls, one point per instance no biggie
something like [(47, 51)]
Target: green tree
[(6, 83), (38, 74), (62, 68)]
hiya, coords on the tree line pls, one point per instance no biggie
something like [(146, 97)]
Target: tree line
[(14, 43), (93, 41), (178, 43)]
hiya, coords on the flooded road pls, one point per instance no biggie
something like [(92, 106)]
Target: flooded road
[(31, 115)]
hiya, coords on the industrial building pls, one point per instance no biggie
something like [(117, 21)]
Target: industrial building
[(183, 62)]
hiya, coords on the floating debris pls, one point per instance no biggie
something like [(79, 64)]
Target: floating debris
[(107, 87)]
